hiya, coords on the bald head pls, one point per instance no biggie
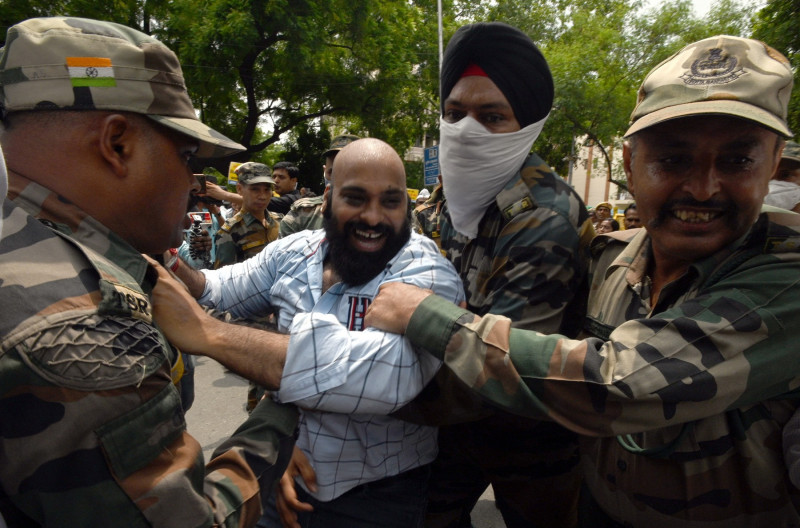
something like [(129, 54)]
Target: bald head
[(371, 158), (366, 215)]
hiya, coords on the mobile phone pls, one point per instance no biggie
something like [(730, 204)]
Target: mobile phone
[(201, 179)]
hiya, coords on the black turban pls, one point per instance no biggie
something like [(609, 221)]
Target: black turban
[(510, 59)]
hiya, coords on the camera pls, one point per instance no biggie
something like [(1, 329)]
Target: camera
[(194, 198)]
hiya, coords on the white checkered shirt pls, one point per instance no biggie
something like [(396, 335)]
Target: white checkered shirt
[(344, 379)]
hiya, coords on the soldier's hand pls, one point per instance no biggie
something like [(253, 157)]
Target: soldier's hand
[(286, 500), (391, 310)]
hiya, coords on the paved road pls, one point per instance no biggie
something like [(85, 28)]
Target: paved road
[(218, 410)]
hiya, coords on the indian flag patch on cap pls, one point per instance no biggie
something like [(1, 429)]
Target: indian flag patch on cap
[(90, 71)]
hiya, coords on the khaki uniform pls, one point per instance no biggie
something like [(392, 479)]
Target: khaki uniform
[(243, 236)]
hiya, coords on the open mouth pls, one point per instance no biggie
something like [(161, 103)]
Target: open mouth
[(368, 240), (697, 217)]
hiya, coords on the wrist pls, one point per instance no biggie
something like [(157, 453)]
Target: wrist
[(173, 261)]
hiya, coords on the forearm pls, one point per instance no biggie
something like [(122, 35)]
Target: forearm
[(193, 279), (253, 353), (646, 367)]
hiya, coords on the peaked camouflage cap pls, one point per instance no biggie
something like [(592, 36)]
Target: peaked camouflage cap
[(340, 142), (791, 151), (720, 75), (252, 172), (67, 63)]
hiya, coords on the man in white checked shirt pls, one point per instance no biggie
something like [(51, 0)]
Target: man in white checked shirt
[(370, 468)]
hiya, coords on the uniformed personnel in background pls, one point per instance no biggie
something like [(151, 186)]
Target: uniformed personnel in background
[(248, 231)]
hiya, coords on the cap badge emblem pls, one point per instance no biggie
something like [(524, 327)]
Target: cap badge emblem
[(713, 68)]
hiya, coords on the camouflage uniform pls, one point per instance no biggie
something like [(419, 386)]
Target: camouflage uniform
[(93, 431), (529, 262), (243, 236), (428, 216), (709, 372), (306, 213)]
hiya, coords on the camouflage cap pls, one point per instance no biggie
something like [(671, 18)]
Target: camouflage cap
[(67, 63), (791, 151), (720, 75), (340, 142), (252, 172)]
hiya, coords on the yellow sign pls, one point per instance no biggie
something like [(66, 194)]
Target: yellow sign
[(233, 178), (413, 193)]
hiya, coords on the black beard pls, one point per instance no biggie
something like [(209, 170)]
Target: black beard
[(356, 267)]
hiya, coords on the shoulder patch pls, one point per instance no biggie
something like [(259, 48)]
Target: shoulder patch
[(121, 300), (781, 244), (510, 211), (95, 352)]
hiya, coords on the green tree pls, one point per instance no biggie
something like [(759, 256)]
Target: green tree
[(599, 51), (776, 24), (258, 69)]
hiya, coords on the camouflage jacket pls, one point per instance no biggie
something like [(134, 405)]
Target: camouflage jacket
[(429, 216), (92, 428), (529, 263), (306, 213), (243, 236), (530, 259), (685, 400)]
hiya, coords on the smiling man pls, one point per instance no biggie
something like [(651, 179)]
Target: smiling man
[(371, 469), (689, 368)]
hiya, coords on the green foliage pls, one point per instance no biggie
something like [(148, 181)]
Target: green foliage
[(304, 149), (776, 24), (599, 52), (257, 69), (415, 176), (283, 76)]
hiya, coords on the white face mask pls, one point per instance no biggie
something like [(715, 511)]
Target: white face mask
[(476, 164)]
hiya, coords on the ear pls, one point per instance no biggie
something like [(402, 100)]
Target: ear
[(117, 140), (325, 198), (626, 165)]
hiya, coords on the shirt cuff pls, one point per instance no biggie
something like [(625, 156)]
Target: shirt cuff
[(433, 323)]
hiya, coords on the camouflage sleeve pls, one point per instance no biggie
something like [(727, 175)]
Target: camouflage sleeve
[(791, 448), (540, 265), (731, 346), (93, 435), (305, 214), (224, 248)]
